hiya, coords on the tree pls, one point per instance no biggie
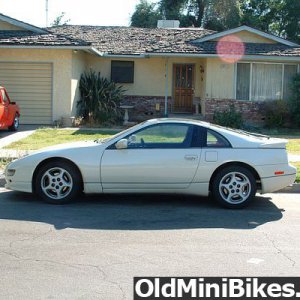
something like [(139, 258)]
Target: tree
[(210, 14), (290, 19), (222, 14), (280, 17), (172, 9), (145, 15), (59, 20)]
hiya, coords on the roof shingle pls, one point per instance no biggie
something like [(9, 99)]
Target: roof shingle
[(28, 38), (136, 41)]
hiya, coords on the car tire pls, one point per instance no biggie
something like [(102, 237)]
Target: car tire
[(15, 124), (58, 182), (234, 187)]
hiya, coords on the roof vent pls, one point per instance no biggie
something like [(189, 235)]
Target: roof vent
[(168, 24)]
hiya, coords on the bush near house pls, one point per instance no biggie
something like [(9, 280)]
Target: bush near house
[(294, 101), (229, 118), (276, 113), (100, 99)]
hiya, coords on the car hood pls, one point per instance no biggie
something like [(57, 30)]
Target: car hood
[(68, 146)]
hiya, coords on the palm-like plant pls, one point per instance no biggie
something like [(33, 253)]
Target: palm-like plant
[(100, 98)]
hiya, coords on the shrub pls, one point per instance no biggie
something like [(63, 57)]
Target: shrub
[(294, 101), (229, 118), (99, 99), (276, 113)]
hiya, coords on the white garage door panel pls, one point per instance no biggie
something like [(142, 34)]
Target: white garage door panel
[(30, 85)]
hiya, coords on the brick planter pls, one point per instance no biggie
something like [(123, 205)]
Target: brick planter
[(252, 112), (145, 107)]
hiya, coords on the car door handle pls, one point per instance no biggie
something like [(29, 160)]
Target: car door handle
[(191, 157)]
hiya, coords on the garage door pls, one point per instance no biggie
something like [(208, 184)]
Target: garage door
[(30, 85)]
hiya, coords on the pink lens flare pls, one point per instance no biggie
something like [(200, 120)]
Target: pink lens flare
[(230, 49)]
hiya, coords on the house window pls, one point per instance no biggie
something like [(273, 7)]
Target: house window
[(243, 81), (264, 81), (122, 71), (289, 72)]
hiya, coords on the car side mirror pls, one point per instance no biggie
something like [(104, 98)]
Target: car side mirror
[(122, 144)]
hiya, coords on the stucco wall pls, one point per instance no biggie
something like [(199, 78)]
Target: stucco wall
[(249, 37), (78, 68), (62, 72), (7, 26), (149, 74)]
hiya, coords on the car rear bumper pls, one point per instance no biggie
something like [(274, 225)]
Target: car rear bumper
[(273, 184)]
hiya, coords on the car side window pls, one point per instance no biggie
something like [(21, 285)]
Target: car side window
[(216, 140), (4, 97), (203, 137), (161, 136)]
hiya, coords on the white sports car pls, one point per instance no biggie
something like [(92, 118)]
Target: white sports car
[(159, 156)]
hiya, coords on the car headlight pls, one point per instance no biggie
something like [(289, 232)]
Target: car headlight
[(10, 172)]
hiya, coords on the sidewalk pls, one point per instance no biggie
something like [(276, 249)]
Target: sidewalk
[(7, 137)]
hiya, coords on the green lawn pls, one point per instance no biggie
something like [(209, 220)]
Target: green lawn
[(297, 165), (293, 146), (49, 137), (4, 162)]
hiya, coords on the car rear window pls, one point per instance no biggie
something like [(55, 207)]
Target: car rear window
[(203, 137), (214, 139)]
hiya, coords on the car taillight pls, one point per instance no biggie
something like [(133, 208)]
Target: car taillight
[(279, 173)]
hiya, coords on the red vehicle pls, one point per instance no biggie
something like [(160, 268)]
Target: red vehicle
[(9, 112)]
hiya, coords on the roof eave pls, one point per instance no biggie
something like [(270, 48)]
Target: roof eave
[(245, 57), (21, 24), (249, 29), (96, 52), (57, 47)]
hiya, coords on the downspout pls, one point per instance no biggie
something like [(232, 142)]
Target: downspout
[(166, 87)]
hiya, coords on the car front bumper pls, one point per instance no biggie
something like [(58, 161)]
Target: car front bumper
[(20, 186)]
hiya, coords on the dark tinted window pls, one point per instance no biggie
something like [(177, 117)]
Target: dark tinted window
[(203, 137), (122, 71), (214, 139)]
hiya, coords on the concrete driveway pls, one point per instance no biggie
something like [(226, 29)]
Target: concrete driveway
[(92, 249), (7, 137)]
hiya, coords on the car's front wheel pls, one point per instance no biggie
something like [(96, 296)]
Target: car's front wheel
[(234, 187), (58, 182)]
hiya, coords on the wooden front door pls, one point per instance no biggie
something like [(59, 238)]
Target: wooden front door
[(183, 77)]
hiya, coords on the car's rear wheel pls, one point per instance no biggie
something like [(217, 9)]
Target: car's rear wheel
[(58, 182), (234, 187), (15, 125)]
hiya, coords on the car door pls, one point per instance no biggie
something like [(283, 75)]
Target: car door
[(3, 108), (157, 157)]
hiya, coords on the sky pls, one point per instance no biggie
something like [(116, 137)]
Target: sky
[(84, 12)]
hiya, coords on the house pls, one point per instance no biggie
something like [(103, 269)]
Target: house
[(180, 67)]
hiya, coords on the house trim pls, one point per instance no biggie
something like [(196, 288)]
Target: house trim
[(21, 24), (250, 57), (249, 29), (149, 55), (84, 48)]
